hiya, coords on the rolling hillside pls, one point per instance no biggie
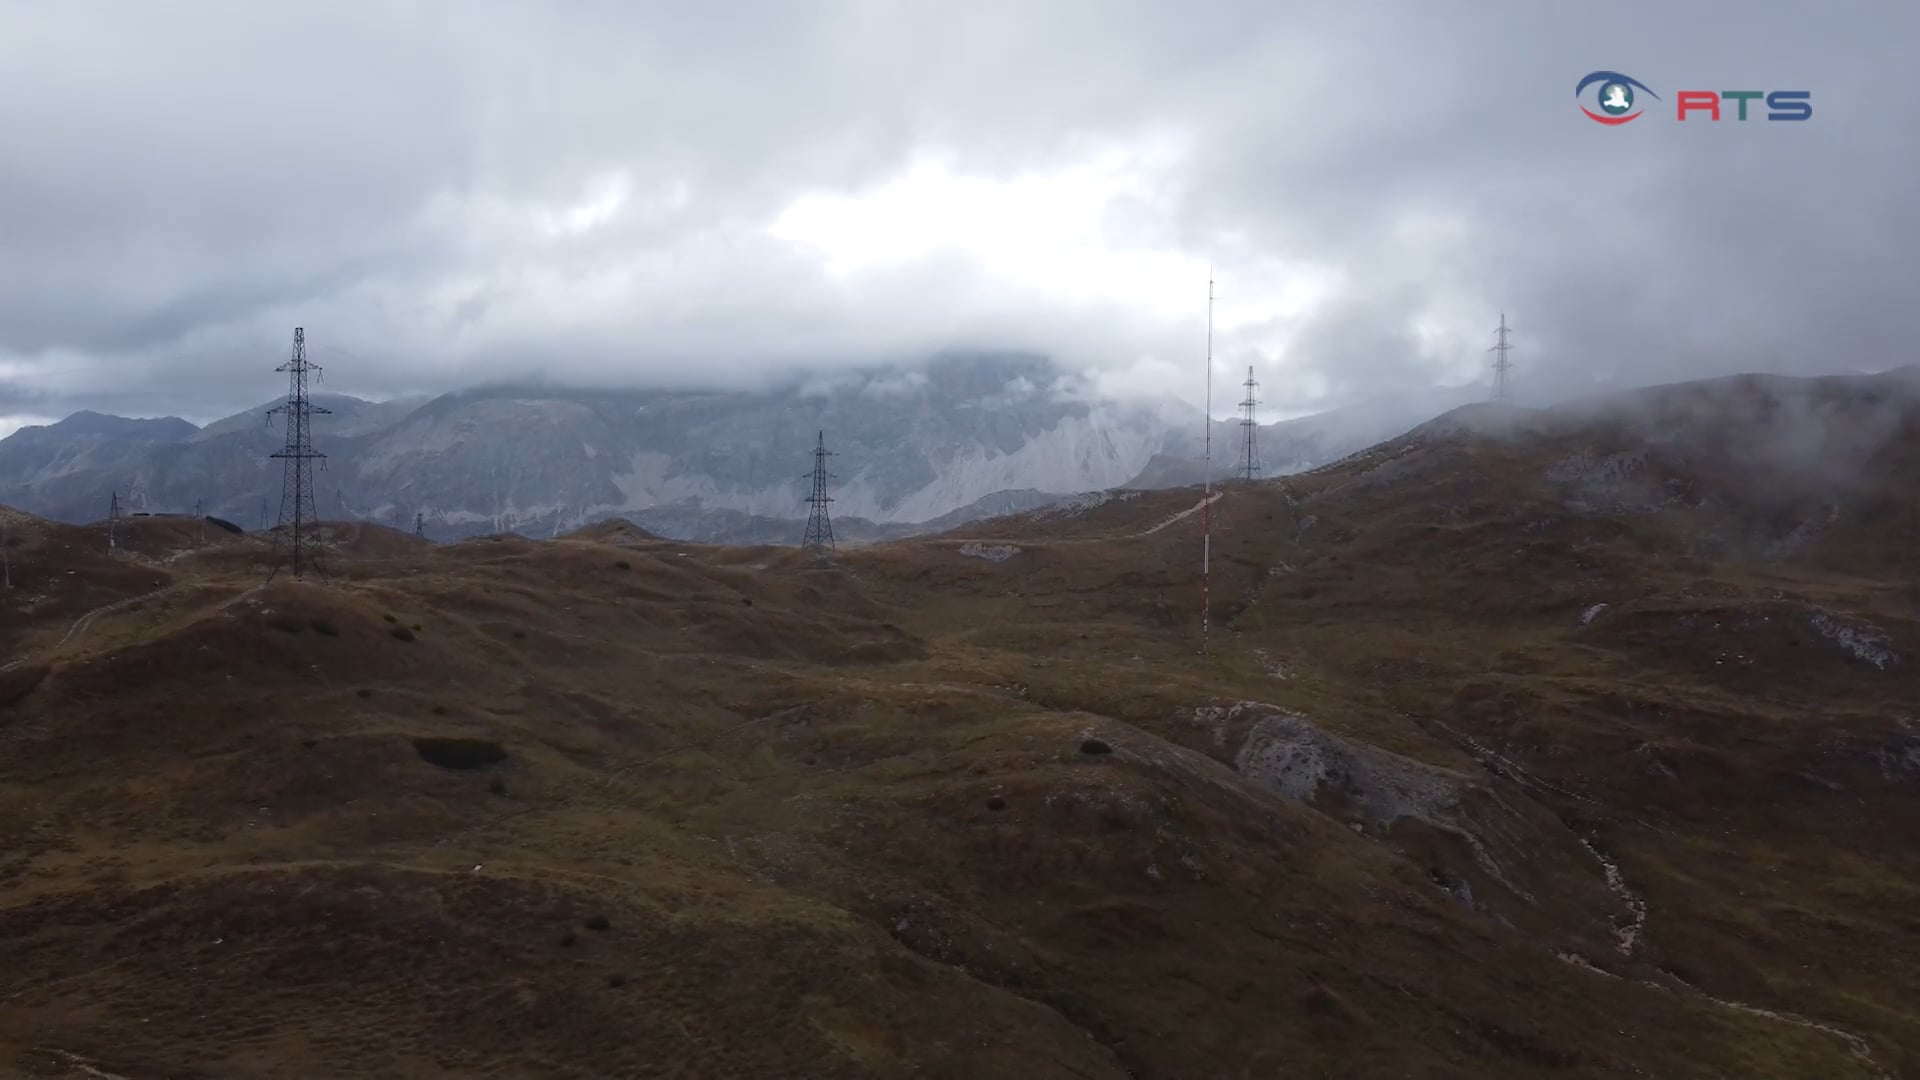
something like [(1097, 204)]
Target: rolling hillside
[(1573, 743)]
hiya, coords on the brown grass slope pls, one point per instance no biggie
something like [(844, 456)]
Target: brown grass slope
[(974, 806)]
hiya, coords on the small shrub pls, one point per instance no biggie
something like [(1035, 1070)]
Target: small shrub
[(568, 940), (995, 802), (417, 627), (401, 633), (497, 785), (623, 565), (389, 618), (598, 922), (324, 628), (363, 692), (439, 710), (616, 980), (459, 753), (286, 623), (519, 635), (747, 600), (1095, 746)]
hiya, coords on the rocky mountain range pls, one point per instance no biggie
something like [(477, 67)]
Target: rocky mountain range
[(916, 449)]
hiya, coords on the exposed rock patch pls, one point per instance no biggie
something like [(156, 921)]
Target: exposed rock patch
[(1288, 754), (1583, 468), (1076, 505), (1275, 668), (1626, 482), (1864, 643), (1486, 847), (973, 549), (1627, 933)]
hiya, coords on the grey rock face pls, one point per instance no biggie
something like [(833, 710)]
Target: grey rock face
[(915, 450)]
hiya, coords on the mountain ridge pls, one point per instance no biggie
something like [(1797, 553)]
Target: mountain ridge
[(914, 447)]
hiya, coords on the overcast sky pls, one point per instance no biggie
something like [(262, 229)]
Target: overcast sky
[(446, 193)]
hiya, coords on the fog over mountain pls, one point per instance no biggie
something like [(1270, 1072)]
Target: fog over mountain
[(588, 260), (916, 447), (612, 196)]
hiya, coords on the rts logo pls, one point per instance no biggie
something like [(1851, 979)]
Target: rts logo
[(1615, 99)]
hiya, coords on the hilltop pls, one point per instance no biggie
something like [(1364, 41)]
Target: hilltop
[(1573, 742)]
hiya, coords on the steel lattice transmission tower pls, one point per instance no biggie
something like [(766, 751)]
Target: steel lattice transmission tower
[(819, 524), (298, 513), (113, 521), (1502, 389), (1249, 457)]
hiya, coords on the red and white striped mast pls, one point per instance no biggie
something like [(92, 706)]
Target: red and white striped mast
[(1206, 501)]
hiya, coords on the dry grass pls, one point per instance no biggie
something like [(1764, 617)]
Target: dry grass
[(837, 818)]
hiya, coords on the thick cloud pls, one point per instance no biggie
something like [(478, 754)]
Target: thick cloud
[(446, 192)]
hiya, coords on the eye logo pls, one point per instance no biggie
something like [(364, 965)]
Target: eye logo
[(1615, 96)]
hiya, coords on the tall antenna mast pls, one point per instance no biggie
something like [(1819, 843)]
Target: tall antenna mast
[(1206, 500), (297, 510), (1249, 460), (1502, 391), (819, 533)]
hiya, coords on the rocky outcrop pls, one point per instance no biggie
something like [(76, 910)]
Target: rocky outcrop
[(1494, 849)]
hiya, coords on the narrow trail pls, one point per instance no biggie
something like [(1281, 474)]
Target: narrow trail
[(1089, 540), (81, 624), (1181, 516), (81, 1065), (1855, 1043), (1628, 934)]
